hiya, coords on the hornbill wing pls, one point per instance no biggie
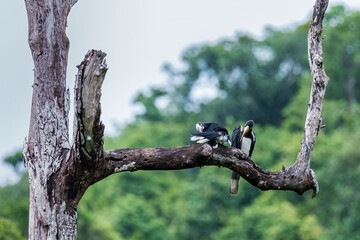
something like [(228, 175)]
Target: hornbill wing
[(219, 128), (235, 136), (252, 143), (199, 136), (235, 142)]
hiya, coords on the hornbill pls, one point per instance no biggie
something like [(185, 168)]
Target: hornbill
[(245, 140), (210, 133)]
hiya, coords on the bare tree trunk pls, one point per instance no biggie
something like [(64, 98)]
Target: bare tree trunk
[(60, 172), (47, 147)]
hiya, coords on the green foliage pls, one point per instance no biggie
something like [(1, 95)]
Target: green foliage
[(9, 230), (14, 204), (342, 51), (338, 172), (151, 134), (297, 107), (14, 160), (152, 113), (270, 221), (235, 71)]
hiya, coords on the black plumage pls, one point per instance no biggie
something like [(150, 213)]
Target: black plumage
[(244, 140), (235, 142), (235, 136), (248, 138), (210, 133)]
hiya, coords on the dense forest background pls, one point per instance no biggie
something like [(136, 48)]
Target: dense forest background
[(231, 81)]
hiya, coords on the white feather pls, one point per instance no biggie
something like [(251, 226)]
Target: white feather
[(245, 145), (223, 138), (204, 140), (195, 138)]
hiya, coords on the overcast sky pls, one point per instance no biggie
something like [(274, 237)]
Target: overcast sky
[(138, 36)]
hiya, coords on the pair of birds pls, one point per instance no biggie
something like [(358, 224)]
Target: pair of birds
[(212, 133)]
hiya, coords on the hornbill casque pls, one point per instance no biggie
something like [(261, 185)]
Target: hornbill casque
[(244, 140), (210, 133)]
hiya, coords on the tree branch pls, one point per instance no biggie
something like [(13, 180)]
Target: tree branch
[(72, 2), (318, 87), (133, 159), (88, 129), (89, 132)]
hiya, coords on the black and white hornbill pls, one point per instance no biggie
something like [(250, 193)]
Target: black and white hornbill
[(210, 133), (245, 140)]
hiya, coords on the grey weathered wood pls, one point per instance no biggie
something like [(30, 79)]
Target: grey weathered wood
[(47, 147), (88, 129), (318, 88)]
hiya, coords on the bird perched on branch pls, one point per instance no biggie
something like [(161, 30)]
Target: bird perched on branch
[(244, 140), (210, 133)]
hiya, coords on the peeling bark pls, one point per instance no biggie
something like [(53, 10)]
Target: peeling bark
[(319, 82), (47, 147), (60, 173), (88, 129)]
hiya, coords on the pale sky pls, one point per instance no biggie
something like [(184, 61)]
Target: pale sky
[(138, 36)]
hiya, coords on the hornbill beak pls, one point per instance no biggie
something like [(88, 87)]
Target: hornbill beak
[(246, 130)]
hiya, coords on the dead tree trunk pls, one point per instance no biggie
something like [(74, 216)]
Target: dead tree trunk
[(60, 172), (47, 148)]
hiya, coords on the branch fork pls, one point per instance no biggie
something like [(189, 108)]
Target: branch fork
[(98, 164)]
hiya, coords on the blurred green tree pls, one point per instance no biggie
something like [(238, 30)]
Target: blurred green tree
[(15, 160), (9, 230), (14, 203), (242, 78), (342, 51)]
